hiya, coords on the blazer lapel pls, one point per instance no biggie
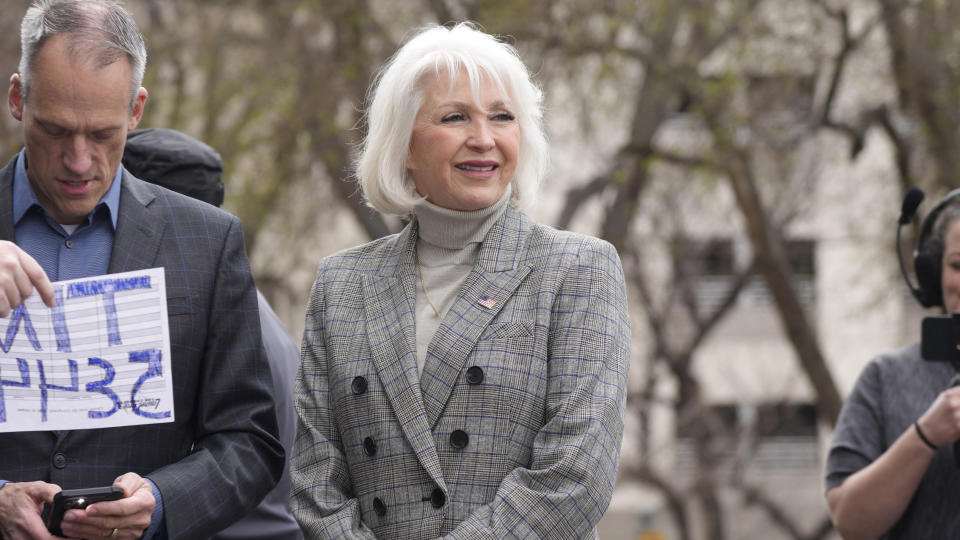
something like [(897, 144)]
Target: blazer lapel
[(140, 226), (138, 233), (495, 276), (391, 330)]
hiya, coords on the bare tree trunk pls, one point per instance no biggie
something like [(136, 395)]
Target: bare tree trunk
[(773, 265)]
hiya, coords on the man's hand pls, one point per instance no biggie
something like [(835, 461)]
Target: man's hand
[(20, 507), (129, 516), (19, 275)]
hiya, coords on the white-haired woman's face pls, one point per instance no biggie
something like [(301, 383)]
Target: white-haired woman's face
[(463, 151)]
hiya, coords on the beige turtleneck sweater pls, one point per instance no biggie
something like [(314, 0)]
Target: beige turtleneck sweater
[(448, 242)]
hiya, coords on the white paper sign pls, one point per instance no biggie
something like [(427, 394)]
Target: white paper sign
[(100, 358)]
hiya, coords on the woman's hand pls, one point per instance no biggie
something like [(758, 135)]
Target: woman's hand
[(941, 421), (870, 502)]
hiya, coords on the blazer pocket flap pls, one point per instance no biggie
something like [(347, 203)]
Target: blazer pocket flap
[(505, 330)]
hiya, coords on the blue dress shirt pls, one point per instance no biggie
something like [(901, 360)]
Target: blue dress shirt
[(85, 252)]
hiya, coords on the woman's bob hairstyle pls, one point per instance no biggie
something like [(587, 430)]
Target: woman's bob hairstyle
[(400, 89)]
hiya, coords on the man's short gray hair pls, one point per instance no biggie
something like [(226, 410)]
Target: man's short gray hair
[(400, 90), (101, 31)]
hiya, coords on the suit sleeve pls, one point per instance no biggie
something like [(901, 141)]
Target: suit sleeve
[(322, 497), (567, 488), (236, 457)]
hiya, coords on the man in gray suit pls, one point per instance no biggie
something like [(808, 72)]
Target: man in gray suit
[(183, 164), (69, 210)]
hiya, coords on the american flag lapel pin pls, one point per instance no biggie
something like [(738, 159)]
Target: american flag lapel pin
[(487, 302)]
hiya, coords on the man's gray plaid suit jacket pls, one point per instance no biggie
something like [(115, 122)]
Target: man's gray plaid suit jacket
[(221, 454), (513, 429)]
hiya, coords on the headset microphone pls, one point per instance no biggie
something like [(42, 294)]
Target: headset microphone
[(911, 201)]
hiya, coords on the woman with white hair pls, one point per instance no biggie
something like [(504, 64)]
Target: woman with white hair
[(467, 376)]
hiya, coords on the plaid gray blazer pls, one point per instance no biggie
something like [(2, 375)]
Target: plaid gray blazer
[(513, 429), (221, 454)]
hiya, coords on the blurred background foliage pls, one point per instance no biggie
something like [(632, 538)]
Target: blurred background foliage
[(745, 98)]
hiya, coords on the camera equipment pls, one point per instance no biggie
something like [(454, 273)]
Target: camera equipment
[(940, 338)]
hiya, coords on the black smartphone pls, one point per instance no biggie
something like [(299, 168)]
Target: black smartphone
[(70, 499)]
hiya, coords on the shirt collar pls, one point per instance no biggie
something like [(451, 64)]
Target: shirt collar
[(24, 197)]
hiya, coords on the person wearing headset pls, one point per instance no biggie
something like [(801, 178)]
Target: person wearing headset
[(891, 472)]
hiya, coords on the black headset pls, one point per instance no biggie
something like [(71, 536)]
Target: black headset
[(926, 261)]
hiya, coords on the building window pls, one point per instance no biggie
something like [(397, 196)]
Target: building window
[(712, 264), (801, 258), (764, 437)]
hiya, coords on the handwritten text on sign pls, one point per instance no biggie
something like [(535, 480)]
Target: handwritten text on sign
[(100, 358)]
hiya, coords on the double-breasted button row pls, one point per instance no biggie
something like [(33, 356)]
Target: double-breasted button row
[(359, 386), (459, 438), (437, 499)]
